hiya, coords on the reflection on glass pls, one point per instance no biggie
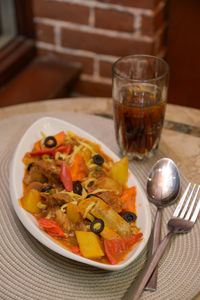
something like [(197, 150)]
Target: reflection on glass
[(8, 28)]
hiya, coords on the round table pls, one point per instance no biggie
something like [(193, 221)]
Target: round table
[(180, 140)]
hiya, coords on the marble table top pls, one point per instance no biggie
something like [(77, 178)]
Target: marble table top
[(180, 136)]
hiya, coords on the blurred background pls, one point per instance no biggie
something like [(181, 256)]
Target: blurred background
[(65, 48)]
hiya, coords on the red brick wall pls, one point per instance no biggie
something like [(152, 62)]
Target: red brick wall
[(97, 32)]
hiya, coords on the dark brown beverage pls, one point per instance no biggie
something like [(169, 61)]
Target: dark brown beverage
[(139, 114)]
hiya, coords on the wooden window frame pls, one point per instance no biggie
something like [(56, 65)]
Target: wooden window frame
[(15, 55)]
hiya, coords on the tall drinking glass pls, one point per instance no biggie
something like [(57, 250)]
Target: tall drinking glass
[(140, 86)]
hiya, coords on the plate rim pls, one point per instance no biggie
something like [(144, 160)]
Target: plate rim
[(41, 236)]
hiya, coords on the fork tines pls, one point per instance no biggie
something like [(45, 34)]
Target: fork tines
[(188, 198)]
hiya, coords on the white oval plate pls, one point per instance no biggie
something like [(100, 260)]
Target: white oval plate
[(51, 126)]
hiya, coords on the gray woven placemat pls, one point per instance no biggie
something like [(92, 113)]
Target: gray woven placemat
[(30, 271)]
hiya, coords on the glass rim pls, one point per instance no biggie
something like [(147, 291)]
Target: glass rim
[(140, 80)]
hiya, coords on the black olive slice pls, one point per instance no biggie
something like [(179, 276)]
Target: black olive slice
[(29, 166), (98, 159), (77, 187), (97, 226), (92, 195), (46, 188), (50, 141), (129, 216)]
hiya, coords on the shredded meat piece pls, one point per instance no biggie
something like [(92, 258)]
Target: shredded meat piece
[(34, 175), (50, 170), (57, 199), (82, 226), (112, 200), (35, 185), (62, 220)]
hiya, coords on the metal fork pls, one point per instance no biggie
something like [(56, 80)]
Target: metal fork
[(182, 221)]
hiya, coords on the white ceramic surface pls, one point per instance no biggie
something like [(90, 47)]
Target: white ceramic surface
[(51, 126)]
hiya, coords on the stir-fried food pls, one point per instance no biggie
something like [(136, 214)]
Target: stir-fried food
[(80, 198)]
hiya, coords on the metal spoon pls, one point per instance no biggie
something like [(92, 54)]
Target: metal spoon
[(163, 186)]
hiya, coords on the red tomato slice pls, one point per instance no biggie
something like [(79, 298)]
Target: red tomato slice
[(76, 250), (66, 178), (115, 247), (51, 227)]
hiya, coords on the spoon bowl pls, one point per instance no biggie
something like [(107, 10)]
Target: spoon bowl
[(163, 186)]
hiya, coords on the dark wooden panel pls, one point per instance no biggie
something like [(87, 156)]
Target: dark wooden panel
[(24, 14), (183, 52), (44, 78), (14, 57)]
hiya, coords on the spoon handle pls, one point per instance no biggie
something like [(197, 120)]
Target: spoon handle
[(136, 288), (152, 283)]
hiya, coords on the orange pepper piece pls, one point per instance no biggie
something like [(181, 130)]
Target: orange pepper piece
[(60, 137), (79, 168), (129, 197), (37, 146)]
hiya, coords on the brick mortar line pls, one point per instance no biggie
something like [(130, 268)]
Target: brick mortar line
[(98, 79), (76, 52), (91, 20), (57, 35), (85, 53), (45, 46), (96, 68), (137, 22), (86, 28), (121, 8)]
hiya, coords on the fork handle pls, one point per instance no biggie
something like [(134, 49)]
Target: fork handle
[(135, 290), (152, 283)]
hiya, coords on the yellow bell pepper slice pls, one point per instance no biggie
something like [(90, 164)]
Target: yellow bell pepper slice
[(89, 244), (119, 171)]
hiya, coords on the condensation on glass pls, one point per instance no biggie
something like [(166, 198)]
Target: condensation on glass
[(8, 28)]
